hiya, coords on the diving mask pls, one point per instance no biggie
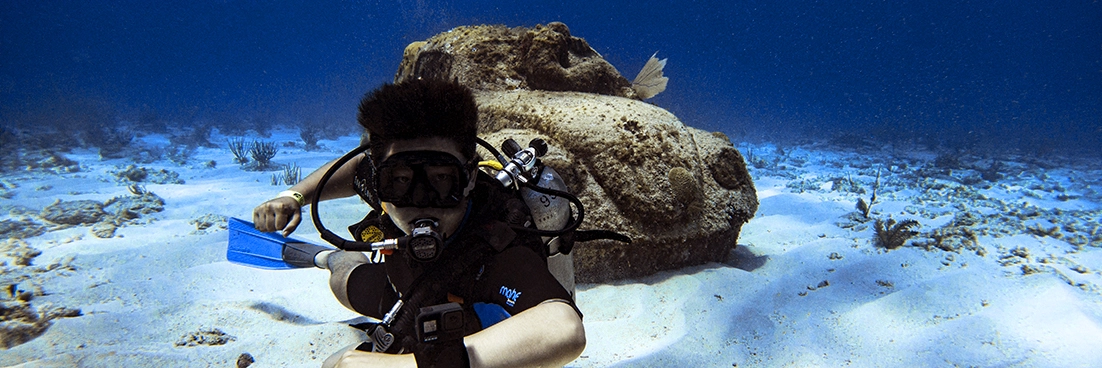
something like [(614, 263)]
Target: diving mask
[(422, 179)]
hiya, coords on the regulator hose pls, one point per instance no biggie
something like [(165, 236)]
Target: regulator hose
[(329, 236), (554, 192)]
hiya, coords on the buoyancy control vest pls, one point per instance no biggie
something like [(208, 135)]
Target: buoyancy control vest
[(543, 212), (544, 192)]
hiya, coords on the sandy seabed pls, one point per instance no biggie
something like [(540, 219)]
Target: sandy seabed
[(1005, 270)]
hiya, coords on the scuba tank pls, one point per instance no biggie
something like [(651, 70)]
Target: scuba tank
[(550, 212)]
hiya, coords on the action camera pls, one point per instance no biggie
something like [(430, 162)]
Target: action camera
[(440, 323)]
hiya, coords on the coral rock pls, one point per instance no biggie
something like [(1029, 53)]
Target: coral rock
[(729, 168), (21, 322), (18, 252), (50, 161), (104, 229), (131, 207), (638, 171), (209, 221), (73, 212), (680, 193), (685, 187), (497, 58), (20, 228), (205, 337)]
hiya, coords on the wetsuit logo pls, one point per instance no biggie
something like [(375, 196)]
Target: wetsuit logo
[(510, 295)]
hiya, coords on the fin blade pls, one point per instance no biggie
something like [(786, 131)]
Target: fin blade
[(250, 247)]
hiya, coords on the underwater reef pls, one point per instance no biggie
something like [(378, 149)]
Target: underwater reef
[(953, 203)]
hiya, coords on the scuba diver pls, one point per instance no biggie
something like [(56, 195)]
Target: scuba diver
[(463, 278)]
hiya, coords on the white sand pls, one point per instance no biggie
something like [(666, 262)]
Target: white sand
[(825, 296)]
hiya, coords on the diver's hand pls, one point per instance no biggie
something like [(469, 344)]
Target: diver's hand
[(281, 213)]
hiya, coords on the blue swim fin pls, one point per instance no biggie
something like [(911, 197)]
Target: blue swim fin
[(271, 251)]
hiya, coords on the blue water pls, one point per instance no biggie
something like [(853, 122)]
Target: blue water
[(1023, 76)]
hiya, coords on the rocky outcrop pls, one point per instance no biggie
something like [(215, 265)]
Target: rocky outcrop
[(497, 58), (680, 193), (108, 216), (22, 317), (82, 212), (21, 228)]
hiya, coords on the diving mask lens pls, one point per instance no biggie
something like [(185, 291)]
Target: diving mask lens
[(421, 179)]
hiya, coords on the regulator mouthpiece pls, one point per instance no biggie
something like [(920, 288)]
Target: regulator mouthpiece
[(425, 243)]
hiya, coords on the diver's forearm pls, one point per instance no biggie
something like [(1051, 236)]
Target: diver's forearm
[(514, 342), (362, 359), (338, 186)]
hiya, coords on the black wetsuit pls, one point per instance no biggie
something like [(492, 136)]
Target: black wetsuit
[(486, 263)]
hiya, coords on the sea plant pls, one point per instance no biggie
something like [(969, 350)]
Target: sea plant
[(309, 134), (846, 184), (290, 176), (953, 237), (111, 141), (179, 155), (866, 207), (240, 153), (196, 136), (650, 82), (262, 153), (891, 234), (756, 161)]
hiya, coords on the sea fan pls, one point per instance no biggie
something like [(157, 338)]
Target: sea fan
[(240, 153), (650, 81), (891, 235), (262, 153)]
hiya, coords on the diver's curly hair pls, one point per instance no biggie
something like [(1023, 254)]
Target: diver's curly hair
[(418, 109)]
